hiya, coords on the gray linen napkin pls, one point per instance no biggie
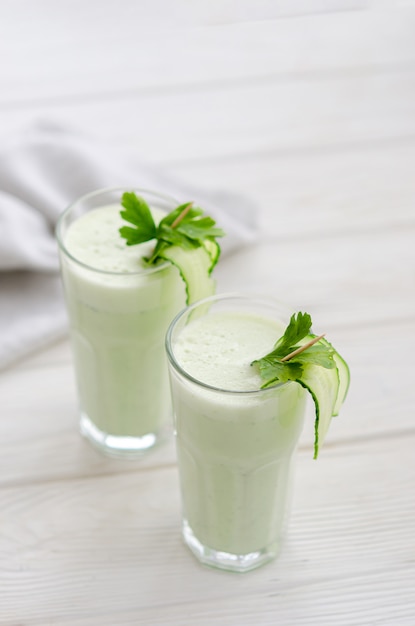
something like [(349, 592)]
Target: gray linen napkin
[(44, 169)]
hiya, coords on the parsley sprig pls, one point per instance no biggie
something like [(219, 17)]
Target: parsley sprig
[(185, 226), (299, 356), (288, 358)]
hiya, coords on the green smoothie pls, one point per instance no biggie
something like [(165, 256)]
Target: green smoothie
[(235, 442), (119, 311)]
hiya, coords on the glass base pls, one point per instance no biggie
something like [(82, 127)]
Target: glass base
[(118, 446), (225, 560)]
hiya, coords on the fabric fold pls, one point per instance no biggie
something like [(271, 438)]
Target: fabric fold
[(42, 171)]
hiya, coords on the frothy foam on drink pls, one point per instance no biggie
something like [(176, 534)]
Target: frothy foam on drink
[(218, 349)]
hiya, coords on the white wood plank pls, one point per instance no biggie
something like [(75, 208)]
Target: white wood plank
[(41, 430), (240, 120), (390, 4), (318, 192), (57, 54), (355, 280), (51, 355), (107, 549), (74, 16), (361, 600)]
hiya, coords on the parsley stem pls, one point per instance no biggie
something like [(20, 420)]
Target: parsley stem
[(302, 348), (182, 215), (175, 223)]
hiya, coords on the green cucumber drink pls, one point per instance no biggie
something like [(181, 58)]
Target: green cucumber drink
[(236, 441), (119, 311)]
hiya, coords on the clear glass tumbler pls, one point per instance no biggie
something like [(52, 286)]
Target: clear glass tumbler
[(235, 450), (118, 321)]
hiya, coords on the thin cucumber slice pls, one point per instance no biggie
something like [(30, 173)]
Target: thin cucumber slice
[(343, 373), (328, 388), (323, 385), (213, 249), (317, 367), (195, 266), (344, 381)]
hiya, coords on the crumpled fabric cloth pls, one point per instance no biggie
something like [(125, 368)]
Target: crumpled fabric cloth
[(44, 169)]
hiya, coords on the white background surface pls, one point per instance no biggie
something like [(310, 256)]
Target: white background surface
[(308, 108)]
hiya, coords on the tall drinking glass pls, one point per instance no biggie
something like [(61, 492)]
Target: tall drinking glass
[(235, 442), (119, 311)]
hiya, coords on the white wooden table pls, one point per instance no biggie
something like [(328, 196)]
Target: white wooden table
[(309, 109)]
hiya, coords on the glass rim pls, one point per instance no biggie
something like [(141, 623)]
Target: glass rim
[(91, 194), (247, 297)]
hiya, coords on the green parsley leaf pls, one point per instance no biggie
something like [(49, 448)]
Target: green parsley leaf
[(298, 328), (274, 368), (274, 372), (192, 212), (175, 237), (136, 212), (185, 226), (319, 354)]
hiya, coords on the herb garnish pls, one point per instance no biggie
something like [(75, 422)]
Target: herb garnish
[(312, 362), (287, 359), (185, 226)]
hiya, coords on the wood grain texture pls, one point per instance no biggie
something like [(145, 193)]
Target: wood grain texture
[(162, 60), (239, 119), (308, 109), (62, 546)]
